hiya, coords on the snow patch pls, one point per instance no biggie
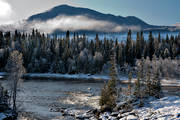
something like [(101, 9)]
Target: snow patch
[(166, 108)]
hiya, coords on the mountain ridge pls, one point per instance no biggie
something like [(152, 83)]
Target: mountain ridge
[(73, 11), (61, 18)]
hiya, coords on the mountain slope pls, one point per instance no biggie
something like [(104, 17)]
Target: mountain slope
[(77, 11), (83, 20)]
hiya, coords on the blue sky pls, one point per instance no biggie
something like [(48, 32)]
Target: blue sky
[(160, 12), (157, 12)]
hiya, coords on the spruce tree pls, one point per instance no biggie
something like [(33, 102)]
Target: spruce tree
[(109, 91), (142, 42), (156, 83), (153, 84), (151, 46), (174, 50), (120, 56), (159, 38), (138, 47), (129, 49)]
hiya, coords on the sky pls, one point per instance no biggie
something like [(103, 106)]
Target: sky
[(156, 12)]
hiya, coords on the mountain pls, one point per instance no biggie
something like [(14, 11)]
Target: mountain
[(77, 11), (83, 20)]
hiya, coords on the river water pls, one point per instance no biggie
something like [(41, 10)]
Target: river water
[(38, 97)]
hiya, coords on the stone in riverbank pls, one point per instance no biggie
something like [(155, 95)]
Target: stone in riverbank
[(164, 108)]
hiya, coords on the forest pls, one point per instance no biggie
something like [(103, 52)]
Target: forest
[(46, 54)]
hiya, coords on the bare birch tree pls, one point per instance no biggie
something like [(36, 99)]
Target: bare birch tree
[(15, 69)]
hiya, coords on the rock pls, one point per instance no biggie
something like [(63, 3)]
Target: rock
[(89, 88), (54, 109), (84, 116), (119, 116), (93, 111), (112, 118), (68, 112), (132, 117), (114, 114), (178, 115), (64, 114), (80, 117), (93, 118), (104, 116), (87, 115), (125, 114), (128, 115), (122, 111)]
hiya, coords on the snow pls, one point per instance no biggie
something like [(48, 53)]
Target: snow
[(167, 108), (124, 79), (2, 74), (66, 76), (70, 76), (131, 117), (170, 82)]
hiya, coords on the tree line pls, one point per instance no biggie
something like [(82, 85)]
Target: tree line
[(43, 53)]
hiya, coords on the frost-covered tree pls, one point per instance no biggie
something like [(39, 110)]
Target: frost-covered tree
[(98, 61), (15, 69), (109, 91), (41, 52)]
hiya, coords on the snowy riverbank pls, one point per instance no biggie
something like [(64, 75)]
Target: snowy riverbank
[(167, 108), (81, 77), (41, 98)]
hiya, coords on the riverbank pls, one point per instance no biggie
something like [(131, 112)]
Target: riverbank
[(86, 78)]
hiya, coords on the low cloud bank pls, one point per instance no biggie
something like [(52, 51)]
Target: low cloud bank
[(75, 23), (72, 23)]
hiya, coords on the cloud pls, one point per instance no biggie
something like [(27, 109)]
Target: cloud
[(5, 12), (72, 23), (75, 23)]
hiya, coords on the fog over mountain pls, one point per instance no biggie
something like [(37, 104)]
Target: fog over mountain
[(62, 18)]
